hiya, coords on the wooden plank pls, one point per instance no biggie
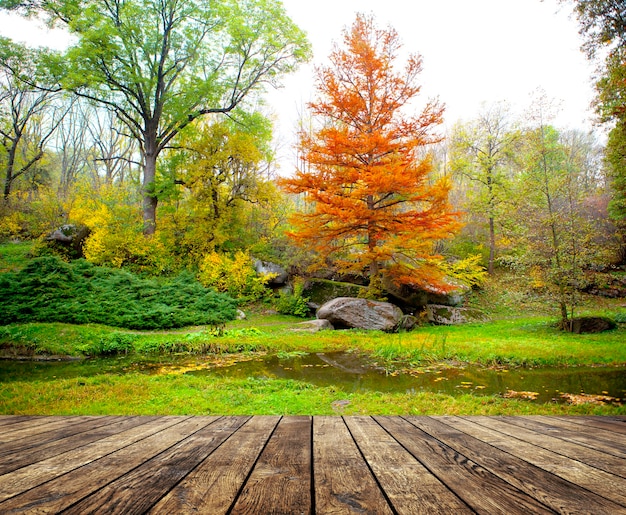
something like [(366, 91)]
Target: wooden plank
[(63, 491), (610, 424), (19, 454), (130, 430), (480, 489), (214, 484), (591, 457), (28, 430), (281, 479), (6, 420), (580, 428), (64, 431), (410, 487), (343, 483), (140, 489), (551, 490), (579, 437), (595, 480)]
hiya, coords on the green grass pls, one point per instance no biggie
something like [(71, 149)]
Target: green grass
[(175, 394)]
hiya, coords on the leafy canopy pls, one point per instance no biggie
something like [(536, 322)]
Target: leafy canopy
[(375, 208), (161, 64)]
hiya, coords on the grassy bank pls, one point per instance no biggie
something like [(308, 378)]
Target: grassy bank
[(529, 341), (175, 394)]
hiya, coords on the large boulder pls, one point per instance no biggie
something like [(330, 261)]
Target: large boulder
[(278, 274), (582, 325), (350, 312)]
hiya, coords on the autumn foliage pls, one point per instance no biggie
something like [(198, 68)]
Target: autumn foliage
[(374, 207)]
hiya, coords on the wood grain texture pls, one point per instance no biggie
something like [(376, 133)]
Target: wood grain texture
[(284, 466), (355, 464), (603, 483), (410, 487), (551, 490), (137, 491), (343, 481), (483, 491), (213, 486)]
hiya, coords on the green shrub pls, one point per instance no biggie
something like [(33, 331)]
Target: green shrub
[(293, 303), (49, 290)]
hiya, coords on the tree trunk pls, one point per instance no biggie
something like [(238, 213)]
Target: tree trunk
[(8, 178), (150, 199), (492, 246)]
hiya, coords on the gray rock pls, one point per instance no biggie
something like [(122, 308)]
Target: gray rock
[(313, 326), (320, 291), (279, 274), (412, 297), (451, 315), (69, 239), (240, 315), (350, 312)]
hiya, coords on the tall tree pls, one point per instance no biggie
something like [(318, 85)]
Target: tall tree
[(375, 209), (603, 25), (161, 64), (28, 115), (557, 230), (479, 151)]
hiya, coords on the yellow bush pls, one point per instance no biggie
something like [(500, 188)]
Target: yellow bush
[(235, 275)]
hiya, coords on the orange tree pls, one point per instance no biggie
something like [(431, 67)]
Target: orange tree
[(374, 207)]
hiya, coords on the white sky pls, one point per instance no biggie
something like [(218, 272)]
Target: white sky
[(474, 51)]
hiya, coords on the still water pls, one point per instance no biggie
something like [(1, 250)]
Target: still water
[(351, 373)]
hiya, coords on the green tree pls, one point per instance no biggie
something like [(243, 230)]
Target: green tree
[(161, 64), (217, 170), (603, 25), (28, 115), (479, 152), (556, 232)]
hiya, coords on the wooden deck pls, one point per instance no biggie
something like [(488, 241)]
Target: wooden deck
[(292, 465)]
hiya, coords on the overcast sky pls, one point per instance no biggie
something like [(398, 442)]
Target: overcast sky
[(474, 52)]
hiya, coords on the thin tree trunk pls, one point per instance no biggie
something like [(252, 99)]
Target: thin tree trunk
[(492, 246), (150, 199)]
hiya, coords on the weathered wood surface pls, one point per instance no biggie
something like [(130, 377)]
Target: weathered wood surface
[(293, 465)]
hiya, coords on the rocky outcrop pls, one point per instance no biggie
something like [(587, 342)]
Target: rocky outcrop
[(68, 240), (320, 291), (277, 273), (410, 297), (452, 315), (350, 312)]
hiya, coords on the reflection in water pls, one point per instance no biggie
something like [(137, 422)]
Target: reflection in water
[(350, 372)]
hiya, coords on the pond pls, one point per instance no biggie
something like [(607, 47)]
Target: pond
[(352, 372)]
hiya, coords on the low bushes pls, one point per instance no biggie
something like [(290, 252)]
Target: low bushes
[(50, 290)]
